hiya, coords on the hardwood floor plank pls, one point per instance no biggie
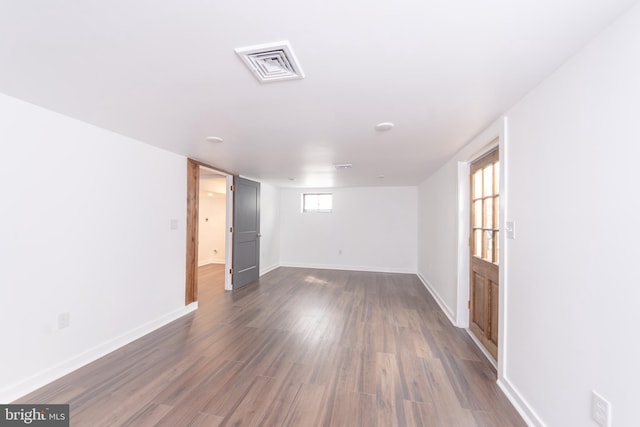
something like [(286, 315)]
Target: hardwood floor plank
[(148, 416), (305, 407), (205, 420), (426, 414), (353, 409), (209, 392), (249, 410), (413, 378), (283, 401), (183, 379), (367, 373), (101, 411), (189, 419), (389, 392), (300, 347), (224, 398)]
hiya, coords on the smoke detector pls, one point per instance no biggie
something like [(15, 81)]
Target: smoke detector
[(271, 62), (384, 126)]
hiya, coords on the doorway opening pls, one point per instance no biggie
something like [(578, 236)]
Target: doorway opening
[(494, 137), (212, 236), (213, 216)]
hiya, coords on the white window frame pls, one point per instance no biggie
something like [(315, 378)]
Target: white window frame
[(317, 209)]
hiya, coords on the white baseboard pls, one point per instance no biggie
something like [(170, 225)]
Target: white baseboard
[(349, 268), (524, 409), (528, 415), (445, 308), (482, 348), (15, 391), (211, 261), (269, 269)]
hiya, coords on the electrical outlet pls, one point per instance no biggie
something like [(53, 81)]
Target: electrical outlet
[(600, 410), (63, 320)]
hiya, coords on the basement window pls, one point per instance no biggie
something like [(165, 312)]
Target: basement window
[(317, 202)]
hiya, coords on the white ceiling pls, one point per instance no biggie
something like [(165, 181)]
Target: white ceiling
[(165, 72)]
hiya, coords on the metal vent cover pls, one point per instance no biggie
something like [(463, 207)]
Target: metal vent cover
[(271, 62), (343, 165)]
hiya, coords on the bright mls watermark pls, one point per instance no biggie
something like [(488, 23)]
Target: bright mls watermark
[(34, 415)]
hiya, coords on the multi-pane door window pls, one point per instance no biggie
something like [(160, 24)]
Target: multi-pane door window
[(485, 199)]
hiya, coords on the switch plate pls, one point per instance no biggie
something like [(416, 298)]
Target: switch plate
[(173, 224), (63, 320), (600, 410), (510, 228)]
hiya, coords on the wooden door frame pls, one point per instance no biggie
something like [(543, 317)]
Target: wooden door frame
[(487, 269), (494, 135), (193, 200)]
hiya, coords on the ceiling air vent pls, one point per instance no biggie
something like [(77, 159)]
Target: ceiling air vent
[(271, 62), (343, 165)]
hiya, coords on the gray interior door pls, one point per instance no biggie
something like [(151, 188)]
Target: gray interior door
[(246, 232)]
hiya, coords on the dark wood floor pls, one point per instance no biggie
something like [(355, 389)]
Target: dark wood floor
[(301, 347)]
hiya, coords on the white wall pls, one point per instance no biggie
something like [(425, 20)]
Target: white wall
[(437, 228), (443, 224), (269, 228), (375, 228), (571, 307), (212, 217), (86, 230), (574, 146)]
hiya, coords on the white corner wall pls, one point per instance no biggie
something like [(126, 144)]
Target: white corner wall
[(437, 231), (85, 230), (269, 228), (443, 225), (571, 175), (370, 229), (574, 145)]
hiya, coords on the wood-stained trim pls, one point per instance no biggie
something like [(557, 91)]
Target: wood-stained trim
[(193, 197), (193, 184), (207, 165), (491, 156)]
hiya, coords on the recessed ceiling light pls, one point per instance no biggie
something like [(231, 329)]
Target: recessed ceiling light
[(384, 126), (215, 139), (210, 194)]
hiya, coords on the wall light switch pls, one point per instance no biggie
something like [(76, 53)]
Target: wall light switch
[(510, 228), (173, 224), (63, 320)]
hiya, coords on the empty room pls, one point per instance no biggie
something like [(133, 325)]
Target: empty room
[(410, 213)]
